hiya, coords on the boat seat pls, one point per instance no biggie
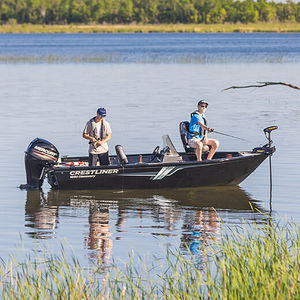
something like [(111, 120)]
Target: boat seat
[(183, 129), (122, 158)]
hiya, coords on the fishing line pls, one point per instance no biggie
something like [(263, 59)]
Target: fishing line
[(232, 136)]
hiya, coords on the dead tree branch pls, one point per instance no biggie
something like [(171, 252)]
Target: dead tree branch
[(262, 84)]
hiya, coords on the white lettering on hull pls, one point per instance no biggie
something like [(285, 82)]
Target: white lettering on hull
[(92, 173)]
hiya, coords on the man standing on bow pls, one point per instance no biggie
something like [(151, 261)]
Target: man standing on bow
[(97, 131), (197, 136)]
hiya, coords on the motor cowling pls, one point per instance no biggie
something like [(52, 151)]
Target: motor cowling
[(39, 155)]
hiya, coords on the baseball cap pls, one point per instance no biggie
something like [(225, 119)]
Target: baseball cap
[(101, 111), (201, 102)]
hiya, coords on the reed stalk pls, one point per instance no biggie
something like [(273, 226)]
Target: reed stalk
[(261, 263)]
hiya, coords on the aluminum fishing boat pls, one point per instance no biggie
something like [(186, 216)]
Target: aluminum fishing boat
[(164, 168)]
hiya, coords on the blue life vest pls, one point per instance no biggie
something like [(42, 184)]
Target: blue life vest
[(195, 130)]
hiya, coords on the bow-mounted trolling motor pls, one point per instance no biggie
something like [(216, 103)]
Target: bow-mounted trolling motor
[(267, 148), (39, 156)]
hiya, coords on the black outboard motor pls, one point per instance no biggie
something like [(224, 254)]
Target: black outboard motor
[(39, 154)]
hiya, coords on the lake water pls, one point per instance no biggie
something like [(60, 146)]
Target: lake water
[(51, 85)]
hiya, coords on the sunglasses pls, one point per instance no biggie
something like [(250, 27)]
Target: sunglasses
[(204, 106)]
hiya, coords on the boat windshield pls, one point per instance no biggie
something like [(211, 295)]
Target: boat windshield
[(167, 142)]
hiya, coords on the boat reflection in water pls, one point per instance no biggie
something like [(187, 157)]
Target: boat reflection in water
[(193, 215), (99, 236)]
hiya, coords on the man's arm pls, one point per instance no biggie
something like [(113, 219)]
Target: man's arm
[(204, 127), (86, 135), (90, 138)]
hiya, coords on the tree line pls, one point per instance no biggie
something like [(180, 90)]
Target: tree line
[(146, 11)]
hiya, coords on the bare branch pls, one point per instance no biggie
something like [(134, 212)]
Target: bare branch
[(262, 84)]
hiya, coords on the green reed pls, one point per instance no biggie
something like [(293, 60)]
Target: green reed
[(261, 263)]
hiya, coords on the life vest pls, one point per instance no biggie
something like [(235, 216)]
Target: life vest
[(99, 136), (192, 133)]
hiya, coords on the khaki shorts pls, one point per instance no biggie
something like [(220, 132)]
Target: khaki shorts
[(193, 142)]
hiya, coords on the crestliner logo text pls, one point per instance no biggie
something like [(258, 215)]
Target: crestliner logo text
[(92, 173)]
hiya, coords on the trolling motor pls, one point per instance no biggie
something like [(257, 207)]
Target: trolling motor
[(39, 155), (268, 131), (267, 148)]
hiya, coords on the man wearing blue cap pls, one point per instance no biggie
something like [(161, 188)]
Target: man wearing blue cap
[(97, 131)]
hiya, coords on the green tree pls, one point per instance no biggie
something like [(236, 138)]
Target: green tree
[(125, 12), (57, 12), (7, 10), (297, 14), (146, 11), (246, 11), (204, 8), (217, 13), (78, 12), (266, 11)]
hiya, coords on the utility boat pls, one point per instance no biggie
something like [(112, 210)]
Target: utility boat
[(164, 168)]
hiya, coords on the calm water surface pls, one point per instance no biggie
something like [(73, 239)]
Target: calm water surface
[(150, 48), (53, 98)]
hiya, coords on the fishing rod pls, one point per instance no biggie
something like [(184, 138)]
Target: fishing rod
[(235, 137)]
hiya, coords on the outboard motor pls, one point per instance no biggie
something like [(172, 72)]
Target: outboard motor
[(39, 154)]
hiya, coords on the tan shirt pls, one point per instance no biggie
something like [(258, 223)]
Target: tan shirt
[(93, 129)]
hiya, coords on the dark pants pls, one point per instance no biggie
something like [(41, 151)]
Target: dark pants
[(103, 159)]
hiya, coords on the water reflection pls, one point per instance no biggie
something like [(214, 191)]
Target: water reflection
[(99, 237), (199, 232), (40, 215), (193, 215)]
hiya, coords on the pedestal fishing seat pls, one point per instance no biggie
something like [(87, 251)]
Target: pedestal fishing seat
[(184, 129)]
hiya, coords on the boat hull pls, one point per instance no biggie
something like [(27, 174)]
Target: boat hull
[(231, 171)]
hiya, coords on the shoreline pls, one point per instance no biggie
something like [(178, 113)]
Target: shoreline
[(161, 28)]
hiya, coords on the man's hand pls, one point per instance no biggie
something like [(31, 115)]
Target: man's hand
[(210, 130), (98, 143)]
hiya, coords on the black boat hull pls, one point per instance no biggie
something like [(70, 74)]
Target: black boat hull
[(160, 169), (225, 171)]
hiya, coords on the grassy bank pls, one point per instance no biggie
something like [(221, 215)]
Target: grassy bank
[(138, 28), (256, 264)]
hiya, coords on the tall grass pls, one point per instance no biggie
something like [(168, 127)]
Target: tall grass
[(261, 263), (147, 28)]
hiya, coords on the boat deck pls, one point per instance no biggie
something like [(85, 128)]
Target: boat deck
[(145, 158)]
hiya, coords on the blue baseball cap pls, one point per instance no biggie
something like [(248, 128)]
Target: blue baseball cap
[(101, 111)]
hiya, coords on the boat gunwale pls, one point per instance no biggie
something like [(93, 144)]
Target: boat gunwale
[(162, 164)]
